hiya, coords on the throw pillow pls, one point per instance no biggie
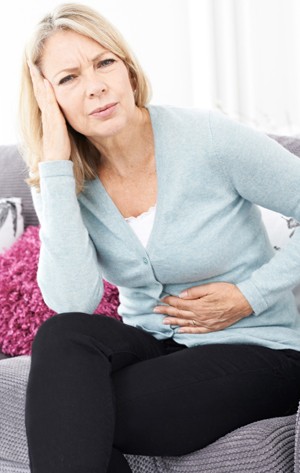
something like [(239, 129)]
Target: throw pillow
[(280, 229), (12, 181), (22, 309), (11, 221)]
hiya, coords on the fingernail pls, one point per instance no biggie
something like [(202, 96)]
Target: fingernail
[(183, 294), (156, 309)]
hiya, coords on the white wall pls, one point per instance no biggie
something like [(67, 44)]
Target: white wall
[(249, 60), (242, 56)]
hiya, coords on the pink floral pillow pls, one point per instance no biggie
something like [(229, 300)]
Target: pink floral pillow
[(22, 309)]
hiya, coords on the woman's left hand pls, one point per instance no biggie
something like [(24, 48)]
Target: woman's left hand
[(207, 308)]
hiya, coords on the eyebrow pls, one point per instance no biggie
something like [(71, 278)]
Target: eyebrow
[(73, 69)]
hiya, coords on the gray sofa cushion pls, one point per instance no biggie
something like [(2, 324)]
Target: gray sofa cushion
[(297, 443), (292, 143), (265, 446), (12, 184)]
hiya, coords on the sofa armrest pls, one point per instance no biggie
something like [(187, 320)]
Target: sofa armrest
[(297, 442)]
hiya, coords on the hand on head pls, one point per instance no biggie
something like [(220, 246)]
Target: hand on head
[(56, 142)]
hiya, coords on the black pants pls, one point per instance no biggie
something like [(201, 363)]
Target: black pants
[(98, 387)]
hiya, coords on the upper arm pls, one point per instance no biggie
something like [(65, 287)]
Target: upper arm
[(258, 168)]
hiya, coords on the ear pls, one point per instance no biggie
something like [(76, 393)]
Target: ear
[(134, 88), (133, 79), (133, 82)]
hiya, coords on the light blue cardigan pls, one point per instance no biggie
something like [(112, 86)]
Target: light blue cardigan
[(211, 171)]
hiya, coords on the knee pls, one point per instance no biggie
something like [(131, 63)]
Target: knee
[(54, 331)]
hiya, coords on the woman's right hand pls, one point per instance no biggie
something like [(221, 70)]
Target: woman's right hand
[(56, 142)]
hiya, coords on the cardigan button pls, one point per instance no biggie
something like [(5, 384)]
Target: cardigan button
[(145, 260)]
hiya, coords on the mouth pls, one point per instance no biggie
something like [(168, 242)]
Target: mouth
[(104, 111)]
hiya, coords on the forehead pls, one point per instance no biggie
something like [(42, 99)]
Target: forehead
[(66, 48)]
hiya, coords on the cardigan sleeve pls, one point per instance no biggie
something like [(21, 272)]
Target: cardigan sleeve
[(69, 274), (263, 172)]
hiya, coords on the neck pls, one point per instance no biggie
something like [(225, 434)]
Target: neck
[(129, 151)]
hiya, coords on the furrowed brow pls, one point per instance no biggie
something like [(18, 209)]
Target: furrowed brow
[(74, 69)]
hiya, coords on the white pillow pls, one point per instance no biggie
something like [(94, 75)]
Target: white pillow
[(280, 229), (11, 221)]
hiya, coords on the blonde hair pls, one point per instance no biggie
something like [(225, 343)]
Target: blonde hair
[(86, 21)]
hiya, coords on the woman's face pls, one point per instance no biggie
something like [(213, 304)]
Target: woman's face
[(91, 84)]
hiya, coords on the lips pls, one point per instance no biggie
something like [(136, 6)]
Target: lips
[(101, 110)]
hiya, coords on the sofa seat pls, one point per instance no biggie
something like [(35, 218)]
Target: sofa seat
[(262, 447)]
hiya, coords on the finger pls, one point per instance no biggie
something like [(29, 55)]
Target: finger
[(206, 327), (43, 90), (177, 302), (196, 291), (50, 96), (38, 86), (173, 311), (199, 329), (178, 321), (30, 65), (35, 73)]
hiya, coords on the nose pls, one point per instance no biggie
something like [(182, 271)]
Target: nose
[(95, 86)]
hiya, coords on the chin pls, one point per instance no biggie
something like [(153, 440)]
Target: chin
[(110, 128)]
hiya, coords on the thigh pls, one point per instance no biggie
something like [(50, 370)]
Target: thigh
[(120, 343), (178, 403)]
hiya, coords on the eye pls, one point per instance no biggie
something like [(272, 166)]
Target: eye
[(66, 79), (106, 62)]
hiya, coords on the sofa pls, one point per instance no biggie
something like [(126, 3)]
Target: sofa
[(270, 445)]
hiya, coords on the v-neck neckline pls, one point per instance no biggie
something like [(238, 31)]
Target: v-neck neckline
[(113, 210)]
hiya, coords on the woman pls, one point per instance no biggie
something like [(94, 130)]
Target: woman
[(160, 201)]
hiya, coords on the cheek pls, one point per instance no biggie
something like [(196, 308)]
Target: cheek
[(125, 89)]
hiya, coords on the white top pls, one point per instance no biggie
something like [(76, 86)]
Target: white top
[(142, 224)]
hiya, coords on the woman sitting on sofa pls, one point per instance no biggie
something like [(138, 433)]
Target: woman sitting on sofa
[(160, 201)]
